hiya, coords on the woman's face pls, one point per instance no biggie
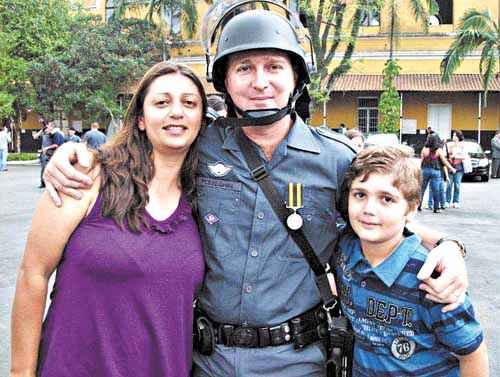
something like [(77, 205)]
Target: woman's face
[(455, 137), (172, 113)]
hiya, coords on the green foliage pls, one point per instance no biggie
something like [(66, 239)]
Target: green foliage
[(325, 22), (22, 156), (102, 61), (476, 30), (390, 103)]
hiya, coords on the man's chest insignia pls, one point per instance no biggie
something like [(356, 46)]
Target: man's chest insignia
[(218, 169)]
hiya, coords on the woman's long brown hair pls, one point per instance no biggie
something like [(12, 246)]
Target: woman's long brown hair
[(126, 161)]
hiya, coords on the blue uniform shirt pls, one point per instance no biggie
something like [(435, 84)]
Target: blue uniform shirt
[(398, 331), (255, 272)]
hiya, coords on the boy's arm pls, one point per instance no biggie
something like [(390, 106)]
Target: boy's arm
[(475, 364)]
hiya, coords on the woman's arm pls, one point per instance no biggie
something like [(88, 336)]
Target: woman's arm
[(50, 230), (445, 161), (475, 364)]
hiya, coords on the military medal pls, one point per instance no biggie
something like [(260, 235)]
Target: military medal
[(294, 220)]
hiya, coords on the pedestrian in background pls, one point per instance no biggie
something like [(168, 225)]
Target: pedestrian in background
[(94, 138), (456, 155), (4, 147), (432, 160), (445, 181), (47, 146), (495, 155), (72, 136), (357, 138), (217, 104)]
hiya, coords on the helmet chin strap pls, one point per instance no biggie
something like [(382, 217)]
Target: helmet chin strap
[(259, 117)]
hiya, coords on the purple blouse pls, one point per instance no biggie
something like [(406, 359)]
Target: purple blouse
[(122, 301)]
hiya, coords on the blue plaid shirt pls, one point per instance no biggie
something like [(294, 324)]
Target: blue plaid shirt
[(398, 331), (255, 272)]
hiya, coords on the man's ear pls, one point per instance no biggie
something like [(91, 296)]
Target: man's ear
[(140, 122)]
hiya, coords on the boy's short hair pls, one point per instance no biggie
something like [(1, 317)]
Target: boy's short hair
[(385, 160)]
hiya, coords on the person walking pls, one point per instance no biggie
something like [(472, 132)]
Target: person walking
[(46, 146), (433, 160), (94, 138), (495, 155), (456, 155), (4, 147), (257, 281)]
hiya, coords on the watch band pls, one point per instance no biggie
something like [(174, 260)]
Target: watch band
[(459, 243)]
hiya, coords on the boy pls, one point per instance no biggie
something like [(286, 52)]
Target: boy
[(398, 332)]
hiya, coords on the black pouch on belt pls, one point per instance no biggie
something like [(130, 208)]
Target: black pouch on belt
[(203, 334)]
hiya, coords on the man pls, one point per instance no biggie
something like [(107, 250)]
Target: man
[(72, 136), (4, 147), (51, 140), (257, 279), (495, 155), (94, 138)]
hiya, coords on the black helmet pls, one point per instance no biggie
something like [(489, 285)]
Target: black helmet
[(246, 30), (253, 30)]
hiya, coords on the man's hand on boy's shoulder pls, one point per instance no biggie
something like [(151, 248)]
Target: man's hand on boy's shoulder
[(449, 288)]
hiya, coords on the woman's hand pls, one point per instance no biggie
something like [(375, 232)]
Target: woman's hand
[(61, 176), (450, 286)]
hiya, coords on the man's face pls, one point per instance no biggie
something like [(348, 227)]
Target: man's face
[(262, 79)]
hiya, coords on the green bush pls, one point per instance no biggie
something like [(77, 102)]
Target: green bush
[(22, 156)]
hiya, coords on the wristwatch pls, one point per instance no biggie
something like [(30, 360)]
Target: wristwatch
[(459, 243)]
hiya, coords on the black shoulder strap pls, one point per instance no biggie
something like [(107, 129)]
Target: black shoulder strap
[(261, 176)]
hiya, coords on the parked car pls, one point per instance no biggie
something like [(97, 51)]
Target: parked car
[(479, 159), (387, 140)]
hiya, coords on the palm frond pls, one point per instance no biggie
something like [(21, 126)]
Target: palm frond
[(420, 13), (487, 66)]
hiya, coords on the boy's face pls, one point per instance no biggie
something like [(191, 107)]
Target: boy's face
[(377, 210)]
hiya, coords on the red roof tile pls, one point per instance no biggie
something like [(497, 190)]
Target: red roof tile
[(415, 83)]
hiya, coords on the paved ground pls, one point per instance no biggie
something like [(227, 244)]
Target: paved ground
[(478, 223)]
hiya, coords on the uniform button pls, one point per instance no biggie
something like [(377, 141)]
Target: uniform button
[(254, 252), (309, 217), (248, 289), (260, 215), (363, 284), (236, 200)]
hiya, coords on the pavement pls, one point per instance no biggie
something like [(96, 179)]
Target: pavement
[(477, 223)]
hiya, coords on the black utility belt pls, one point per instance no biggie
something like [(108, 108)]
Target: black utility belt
[(300, 331)]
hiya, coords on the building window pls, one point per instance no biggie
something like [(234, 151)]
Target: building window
[(172, 17), (371, 17), (445, 14), (368, 115), (110, 9)]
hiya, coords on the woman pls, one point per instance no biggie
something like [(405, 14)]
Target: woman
[(456, 155), (432, 161), (128, 255)]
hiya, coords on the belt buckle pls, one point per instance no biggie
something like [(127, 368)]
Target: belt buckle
[(244, 336)]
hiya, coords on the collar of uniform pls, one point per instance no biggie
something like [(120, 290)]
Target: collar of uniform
[(301, 137), (393, 265), (230, 141)]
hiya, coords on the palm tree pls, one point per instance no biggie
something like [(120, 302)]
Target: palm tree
[(476, 30), (421, 11), (158, 11)]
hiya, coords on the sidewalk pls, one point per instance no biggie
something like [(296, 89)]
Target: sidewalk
[(27, 162)]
